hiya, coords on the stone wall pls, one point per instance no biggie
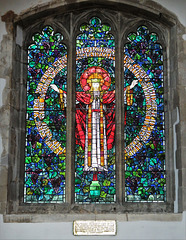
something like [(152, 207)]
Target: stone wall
[(147, 226)]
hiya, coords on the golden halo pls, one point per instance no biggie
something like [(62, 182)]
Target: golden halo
[(97, 73)]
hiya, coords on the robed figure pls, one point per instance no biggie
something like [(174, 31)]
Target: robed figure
[(95, 116)]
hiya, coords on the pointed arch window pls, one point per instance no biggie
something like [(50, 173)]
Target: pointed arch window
[(45, 119), (95, 172), (144, 118), (95, 114)]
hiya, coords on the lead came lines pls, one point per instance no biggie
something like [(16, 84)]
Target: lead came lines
[(151, 106)]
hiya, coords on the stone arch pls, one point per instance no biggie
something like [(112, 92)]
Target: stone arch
[(24, 22)]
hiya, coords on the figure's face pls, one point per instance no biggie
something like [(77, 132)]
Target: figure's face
[(96, 86)]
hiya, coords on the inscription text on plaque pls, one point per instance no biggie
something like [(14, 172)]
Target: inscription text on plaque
[(97, 227)]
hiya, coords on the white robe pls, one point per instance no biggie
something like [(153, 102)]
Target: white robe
[(95, 142)]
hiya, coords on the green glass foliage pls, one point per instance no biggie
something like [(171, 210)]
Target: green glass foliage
[(145, 170), (94, 185), (44, 169)]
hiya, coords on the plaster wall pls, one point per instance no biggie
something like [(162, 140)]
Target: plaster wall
[(130, 228)]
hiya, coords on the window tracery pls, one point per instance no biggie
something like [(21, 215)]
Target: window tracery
[(95, 175)]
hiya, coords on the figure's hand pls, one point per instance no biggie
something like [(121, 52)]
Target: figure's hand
[(62, 96), (54, 87), (134, 83)]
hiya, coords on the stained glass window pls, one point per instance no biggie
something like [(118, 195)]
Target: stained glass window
[(46, 119), (144, 118), (144, 140), (95, 114)]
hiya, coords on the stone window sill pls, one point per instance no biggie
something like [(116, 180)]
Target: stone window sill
[(38, 218)]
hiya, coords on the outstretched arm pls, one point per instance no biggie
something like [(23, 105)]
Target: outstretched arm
[(128, 93), (133, 84), (62, 96), (54, 87)]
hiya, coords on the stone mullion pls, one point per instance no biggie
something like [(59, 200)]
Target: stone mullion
[(70, 145), (119, 136), (23, 109)]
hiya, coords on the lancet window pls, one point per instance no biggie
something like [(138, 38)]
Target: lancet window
[(94, 172)]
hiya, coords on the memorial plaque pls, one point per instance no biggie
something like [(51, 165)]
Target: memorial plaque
[(98, 227)]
